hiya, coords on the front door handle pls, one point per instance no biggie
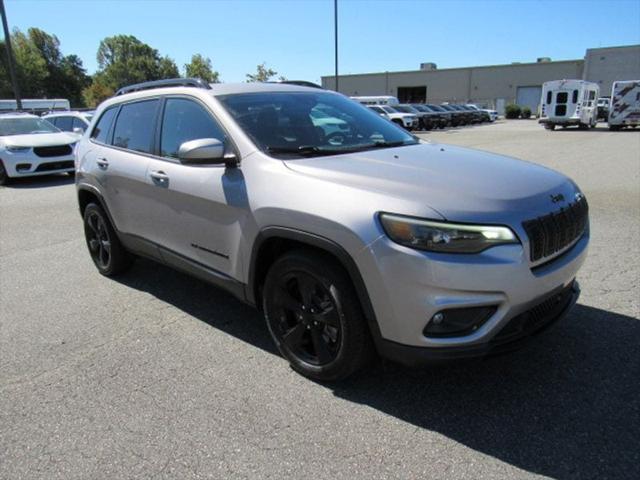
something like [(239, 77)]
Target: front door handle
[(102, 163), (159, 178)]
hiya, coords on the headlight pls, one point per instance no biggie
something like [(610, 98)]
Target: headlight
[(13, 149), (444, 237)]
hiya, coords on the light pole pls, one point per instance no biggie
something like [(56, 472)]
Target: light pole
[(12, 71), (335, 27)]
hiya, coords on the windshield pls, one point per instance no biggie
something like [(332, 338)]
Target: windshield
[(302, 124), (25, 126), (405, 109), (436, 108)]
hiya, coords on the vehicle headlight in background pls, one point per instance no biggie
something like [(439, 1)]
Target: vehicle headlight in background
[(15, 149), (443, 236)]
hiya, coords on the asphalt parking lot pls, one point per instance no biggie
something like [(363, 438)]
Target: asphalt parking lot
[(157, 375)]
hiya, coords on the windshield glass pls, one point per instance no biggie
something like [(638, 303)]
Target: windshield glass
[(25, 126), (404, 109), (436, 108), (302, 124)]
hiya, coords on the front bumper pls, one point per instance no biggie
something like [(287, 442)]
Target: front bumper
[(408, 287), (514, 335), (32, 165)]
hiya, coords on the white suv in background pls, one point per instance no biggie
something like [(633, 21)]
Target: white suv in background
[(30, 145), (70, 121), (406, 120)]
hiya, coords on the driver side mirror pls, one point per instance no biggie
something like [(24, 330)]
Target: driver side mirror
[(78, 130), (204, 151)]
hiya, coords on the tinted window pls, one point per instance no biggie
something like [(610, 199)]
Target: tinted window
[(64, 123), (77, 123), (101, 130), (186, 120), (134, 126), (562, 97), (592, 95), (575, 97), (549, 95)]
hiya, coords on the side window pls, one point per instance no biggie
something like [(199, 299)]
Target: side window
[(186, 120), (64, 123), (549, 96), (77, 123), (592, 95), (101, 130), (575, 97), (135, 125)]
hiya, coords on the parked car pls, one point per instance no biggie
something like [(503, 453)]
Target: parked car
[(487, 115), (405, 120), (71, 121), (377, 100), (424, 121), (379, 111), (625, 105), (448, 116), (472, 116), (458, 118), (431, 118), (30, 146), (360, 241), (569, 103), (603, 108)]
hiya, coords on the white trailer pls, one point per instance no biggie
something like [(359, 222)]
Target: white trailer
[(379, 100), (569, 102), (624, 110)]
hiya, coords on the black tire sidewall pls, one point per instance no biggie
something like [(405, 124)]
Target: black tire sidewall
[(119, 259), (354, 343)]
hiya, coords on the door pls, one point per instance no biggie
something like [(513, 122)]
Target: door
[(529, 97), (121, 166), (198, 208)]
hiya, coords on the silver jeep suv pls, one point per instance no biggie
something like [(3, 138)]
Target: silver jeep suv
[(350, 234)]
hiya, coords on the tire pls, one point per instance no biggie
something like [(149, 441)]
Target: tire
[(614, 128), (108, 254), (549, 126), (583, 126), (5, 179), (327, 346)]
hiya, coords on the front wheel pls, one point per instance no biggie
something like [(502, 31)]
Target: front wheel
[(107, 253), (314, 316), (549, 126), (4, 177)]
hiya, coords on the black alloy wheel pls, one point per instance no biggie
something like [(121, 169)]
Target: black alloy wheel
[(107, 253), (314, 316)]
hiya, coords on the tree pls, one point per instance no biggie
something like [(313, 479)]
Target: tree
[(43, 71), (200, 67), (97, 92), (263, 74), (167, 68), (124, 60)]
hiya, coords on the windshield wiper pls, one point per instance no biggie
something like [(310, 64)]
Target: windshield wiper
[(310, 150), (384, 144)]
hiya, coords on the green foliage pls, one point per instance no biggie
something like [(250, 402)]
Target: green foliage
[(97, 92), (263, 74), (512, 111), (200, 67), (525, 113)]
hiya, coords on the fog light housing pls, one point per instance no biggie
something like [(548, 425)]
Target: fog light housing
[(456, 322), (23, 167)]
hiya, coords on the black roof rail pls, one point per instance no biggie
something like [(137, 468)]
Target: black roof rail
[(169, 82), (300, 83)]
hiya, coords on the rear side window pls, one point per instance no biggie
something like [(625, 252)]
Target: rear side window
[(77, 123), (186, 120), (101, 130), (135, 125), (575, 97), (549, 96), (64, 123)]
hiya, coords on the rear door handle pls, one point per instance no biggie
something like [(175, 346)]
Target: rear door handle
[(102, 162), (159, 178)]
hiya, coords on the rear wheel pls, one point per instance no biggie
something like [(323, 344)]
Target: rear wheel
[(107, 253), (314, 316), (549, 126)]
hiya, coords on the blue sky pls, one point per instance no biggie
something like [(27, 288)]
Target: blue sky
[(296, 37)]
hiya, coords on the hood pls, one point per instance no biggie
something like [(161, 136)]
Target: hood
[(41, 139), (461, 184)]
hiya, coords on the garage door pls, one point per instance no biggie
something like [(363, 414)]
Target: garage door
[(529, 96)]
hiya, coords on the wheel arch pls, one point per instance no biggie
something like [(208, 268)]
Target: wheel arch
[(272, 242)]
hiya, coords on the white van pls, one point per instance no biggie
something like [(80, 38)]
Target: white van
[(625, 104), (569, 102), (380, 100)]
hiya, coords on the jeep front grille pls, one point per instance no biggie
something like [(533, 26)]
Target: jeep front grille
[(554, 232)]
